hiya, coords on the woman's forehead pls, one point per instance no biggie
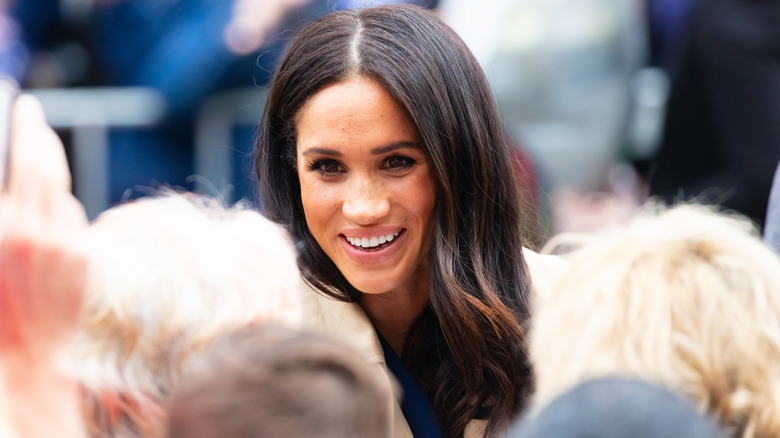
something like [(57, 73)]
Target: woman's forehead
[(354, 111)]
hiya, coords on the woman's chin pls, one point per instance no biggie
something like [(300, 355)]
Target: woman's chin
[(370, 289), (370, 285)]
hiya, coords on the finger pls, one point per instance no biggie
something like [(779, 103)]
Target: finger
[(39, 167), (28, 112), (69, 219)]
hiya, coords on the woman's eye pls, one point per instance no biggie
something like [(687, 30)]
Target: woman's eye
[(326, 167), (397, 163)]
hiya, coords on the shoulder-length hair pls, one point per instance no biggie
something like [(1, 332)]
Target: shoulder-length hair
[(686, 297), (468, 348)]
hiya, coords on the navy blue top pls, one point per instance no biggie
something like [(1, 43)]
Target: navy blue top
[(414, 404)]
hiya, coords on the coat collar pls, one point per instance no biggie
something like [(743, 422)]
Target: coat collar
[(350, 324)]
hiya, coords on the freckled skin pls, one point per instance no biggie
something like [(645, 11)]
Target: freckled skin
[(363, 190)]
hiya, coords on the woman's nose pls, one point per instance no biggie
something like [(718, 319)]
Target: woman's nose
[(366, 204)]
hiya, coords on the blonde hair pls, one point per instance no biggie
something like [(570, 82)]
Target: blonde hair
[(686, 297), (166, 276)]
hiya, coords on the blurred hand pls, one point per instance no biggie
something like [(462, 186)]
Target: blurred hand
[(42, 263), (42, 275), (252, 20)]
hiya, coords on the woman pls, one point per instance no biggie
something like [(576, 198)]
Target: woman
[(382, 152)]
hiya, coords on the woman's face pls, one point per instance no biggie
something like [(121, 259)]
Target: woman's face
[(367, 192)]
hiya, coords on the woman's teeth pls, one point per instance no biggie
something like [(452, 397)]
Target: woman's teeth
[(372, 242)]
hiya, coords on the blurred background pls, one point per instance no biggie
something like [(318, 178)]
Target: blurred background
[(606, 101)]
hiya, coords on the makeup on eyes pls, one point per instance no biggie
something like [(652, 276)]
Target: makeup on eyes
[(329, 166)]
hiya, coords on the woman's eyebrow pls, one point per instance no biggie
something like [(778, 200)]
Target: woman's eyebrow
[(322, 151), (393, 146), (376, 151)]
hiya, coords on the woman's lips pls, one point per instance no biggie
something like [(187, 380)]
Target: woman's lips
[(370, 243), (375, 249)]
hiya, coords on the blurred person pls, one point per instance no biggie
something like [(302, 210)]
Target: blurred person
[(564, 74), (43, 267), (51, 43), (274, 381), (721, 139), (13, 54), (166, 276), (686, 298), (171, 40), (617, 407), (666, 22), (382, 152), (187, 50)]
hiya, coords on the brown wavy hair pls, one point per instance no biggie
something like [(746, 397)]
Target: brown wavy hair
[(467, 349)]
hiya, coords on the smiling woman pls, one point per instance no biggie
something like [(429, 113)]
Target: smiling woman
[(366, 189), (382, 152)]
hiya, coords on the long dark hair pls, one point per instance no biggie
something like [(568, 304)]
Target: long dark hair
[(467, 348)]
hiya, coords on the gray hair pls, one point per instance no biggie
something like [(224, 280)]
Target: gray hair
[(166, 276)]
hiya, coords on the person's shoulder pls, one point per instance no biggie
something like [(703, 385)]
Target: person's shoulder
[(320, 308), (348, 323), (544, 271), (339, 319)]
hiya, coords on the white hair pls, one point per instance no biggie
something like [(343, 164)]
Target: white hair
[(166, 276), (689, 298)]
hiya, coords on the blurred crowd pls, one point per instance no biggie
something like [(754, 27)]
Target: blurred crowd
[(179, 314), (175, 316), (607, 101)]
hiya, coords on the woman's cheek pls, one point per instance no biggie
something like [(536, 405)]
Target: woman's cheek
[(320, 201)]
